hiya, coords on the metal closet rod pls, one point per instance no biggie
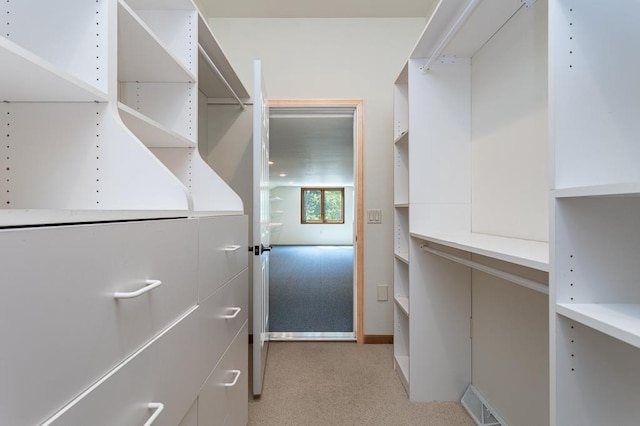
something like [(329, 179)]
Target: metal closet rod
[(221, 77), (452, 31), (516, 279)]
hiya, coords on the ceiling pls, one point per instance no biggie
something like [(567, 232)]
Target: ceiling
[(316, 9), (311, 147)]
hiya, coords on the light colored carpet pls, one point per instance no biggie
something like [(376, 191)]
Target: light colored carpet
[(331, 383)]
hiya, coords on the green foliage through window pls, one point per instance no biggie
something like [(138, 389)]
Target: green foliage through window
[(322, 205)]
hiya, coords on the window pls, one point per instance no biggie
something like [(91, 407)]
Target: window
[(322, 205)]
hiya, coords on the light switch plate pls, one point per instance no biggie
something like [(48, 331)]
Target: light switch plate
[(374, 216)]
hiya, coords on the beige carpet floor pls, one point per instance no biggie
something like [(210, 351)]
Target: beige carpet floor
[(331, 383)]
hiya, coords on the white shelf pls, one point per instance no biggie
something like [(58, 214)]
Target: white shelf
[(532, 254), (156, 64), (467, 34), (403, 257), (161, 4), (610, 190), (208, 80), (150, 132), (621, 321), (402, 361), (403, 304), (403, 138), (45, 82), (28, 217)]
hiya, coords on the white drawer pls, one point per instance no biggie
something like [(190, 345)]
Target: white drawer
[(217, 329), (162, 372), (223, 251), (191, 418), (219, 404), (61, 327)]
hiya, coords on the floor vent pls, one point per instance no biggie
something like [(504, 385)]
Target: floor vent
[(480, 410)]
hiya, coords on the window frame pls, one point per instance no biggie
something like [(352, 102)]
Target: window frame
[(323, 220)]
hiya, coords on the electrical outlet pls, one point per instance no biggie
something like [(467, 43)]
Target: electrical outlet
[(383, 293)]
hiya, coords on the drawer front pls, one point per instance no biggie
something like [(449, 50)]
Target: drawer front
[(221, 316), (219, 404), (162, 372), (61, 326), (223, 251), (191, 418)]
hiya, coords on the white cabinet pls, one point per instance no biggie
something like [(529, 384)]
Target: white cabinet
[(223, 397), (595, 315), (478, 209), (113, 229), (143, 385)]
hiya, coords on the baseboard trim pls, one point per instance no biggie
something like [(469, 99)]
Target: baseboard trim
[(369, 339), (378, 339)]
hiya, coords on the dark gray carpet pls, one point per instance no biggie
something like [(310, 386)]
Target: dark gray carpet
[(311, 289)]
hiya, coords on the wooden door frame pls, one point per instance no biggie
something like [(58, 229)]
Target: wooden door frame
[(357, 105)]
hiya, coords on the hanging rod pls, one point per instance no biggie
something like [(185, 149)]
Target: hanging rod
[(221, 77), (516, 279), (452, 31)]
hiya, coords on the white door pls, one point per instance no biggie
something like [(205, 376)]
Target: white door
[(261, 240)]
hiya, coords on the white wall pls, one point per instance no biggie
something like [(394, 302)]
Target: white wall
[(286, 210), (335, 58)]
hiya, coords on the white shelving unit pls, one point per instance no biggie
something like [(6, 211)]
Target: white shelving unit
[(595, 297), (478, 208), (103, 116), (401, 227), (111, 142)]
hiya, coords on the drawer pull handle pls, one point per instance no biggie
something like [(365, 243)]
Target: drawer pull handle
[(158, 407), (235, 379), (149, 285), (232, 248), (235, 313)]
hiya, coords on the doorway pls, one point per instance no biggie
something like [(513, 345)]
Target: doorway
[(317, 157)]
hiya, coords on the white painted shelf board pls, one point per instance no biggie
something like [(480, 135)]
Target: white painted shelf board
[(213, 89), (45, 82), (403, 368), (619, 320), (403, 138), (403, 257), (487, 18), (209, 213), (157, 64), (150, 132), (532, 254), (403, 77), (161, 4), (403, 304), (401, 205), (20, 217), (628, 189)]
